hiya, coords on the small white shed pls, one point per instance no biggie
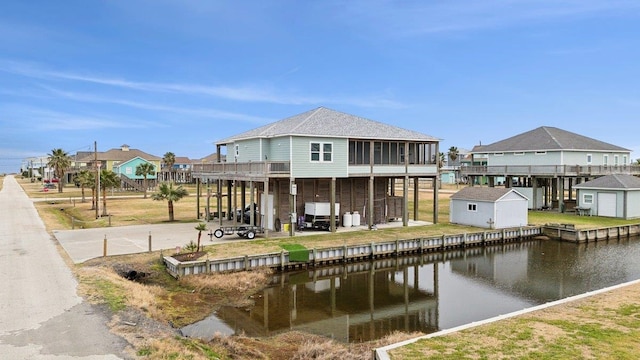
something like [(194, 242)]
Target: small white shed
[(612, 195), (489, 207)]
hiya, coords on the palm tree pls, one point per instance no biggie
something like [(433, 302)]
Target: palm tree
[(145, 169), (83, 179), (108, 179), (60, 161), (441, 159), (201, 227), (453, 153), (169, 160), (166, 191)]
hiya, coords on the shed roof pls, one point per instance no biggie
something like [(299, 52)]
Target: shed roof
[(616, 181), (488, 194), (330, 123), (547, 138)]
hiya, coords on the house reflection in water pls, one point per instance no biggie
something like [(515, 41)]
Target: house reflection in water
[(351, 303), (366, 301)]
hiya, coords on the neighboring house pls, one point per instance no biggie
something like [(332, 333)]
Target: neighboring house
[(489, 207), (612, 195), (128, 169), (180, 172), (122, 161), (324, 156), (548, 160), (38, 168), (447, 176), (450, 171)]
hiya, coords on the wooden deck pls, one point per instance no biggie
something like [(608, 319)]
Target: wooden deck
[(549, 170)]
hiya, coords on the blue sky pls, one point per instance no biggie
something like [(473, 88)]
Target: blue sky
[(163, 75)]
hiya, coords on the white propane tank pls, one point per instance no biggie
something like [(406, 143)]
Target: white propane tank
[(347, 219), (355, 218)]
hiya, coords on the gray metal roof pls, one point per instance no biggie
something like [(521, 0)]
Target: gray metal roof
[(476, 193), (330, 123), (546, 138), (617, 181)]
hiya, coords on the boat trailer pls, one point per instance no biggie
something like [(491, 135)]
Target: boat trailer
[(245, 231)]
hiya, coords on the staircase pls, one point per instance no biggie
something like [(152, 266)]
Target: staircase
[(130, 184)]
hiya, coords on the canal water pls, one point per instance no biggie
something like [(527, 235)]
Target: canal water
[(427, 293)]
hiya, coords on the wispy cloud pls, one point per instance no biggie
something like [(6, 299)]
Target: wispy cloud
[(199, 112), (47, 120), (247, 93), (410, 18)]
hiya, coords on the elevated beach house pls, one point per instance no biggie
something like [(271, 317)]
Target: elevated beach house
[(349, 163), (545, 163), (123, 161)]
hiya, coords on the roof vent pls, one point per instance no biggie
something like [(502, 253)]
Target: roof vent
[(124, 147)]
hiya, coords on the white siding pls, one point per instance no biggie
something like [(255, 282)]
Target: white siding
[(481, 217), (511, 213), (597, 158), (607, 204), (564, 157), (529, 158)]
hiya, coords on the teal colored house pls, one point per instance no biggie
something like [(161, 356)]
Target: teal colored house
[(128, 169)]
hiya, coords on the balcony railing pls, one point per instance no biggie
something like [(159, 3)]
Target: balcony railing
[(249, 168), (550, 170)]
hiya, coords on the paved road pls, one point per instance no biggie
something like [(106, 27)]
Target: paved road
[(41, 316)]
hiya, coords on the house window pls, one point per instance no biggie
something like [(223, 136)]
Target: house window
[(518, 153), (315, 151), (327, 152), (472, 207), (605, 160), (321, 152), (587, 199), (541, 153), (237, 150), (624, 160), (498, 154), (589, 159), (128, 170), (615, 160)]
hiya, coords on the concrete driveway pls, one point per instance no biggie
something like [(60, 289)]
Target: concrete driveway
[(84, 244)]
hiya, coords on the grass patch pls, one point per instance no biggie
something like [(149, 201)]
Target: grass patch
[(112, 295), (297, 252)]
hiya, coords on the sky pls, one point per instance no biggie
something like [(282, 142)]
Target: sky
[(177, 76)]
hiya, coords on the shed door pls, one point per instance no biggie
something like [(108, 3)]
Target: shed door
[(607, 204)]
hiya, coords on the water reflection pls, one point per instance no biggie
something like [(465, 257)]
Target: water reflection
[(427, 293)]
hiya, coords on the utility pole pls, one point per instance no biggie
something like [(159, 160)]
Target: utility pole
[(97, 180)]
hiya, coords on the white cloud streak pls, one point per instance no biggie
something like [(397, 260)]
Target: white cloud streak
[(414, 18), (239, 93), (200, 112)]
